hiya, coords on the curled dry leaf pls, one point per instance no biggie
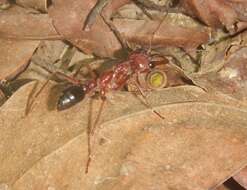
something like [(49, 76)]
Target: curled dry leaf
[(18, 23), (113, 6), (69, 18), (218, 13), (40, 5), (104, 7), (15, 56), (49, 52), (43, 61), (175, 30), (4, 4), (196, 147), (224, 68)]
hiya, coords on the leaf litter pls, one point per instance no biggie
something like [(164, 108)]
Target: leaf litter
[(200, 143)]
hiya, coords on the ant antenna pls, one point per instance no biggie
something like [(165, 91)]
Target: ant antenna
[(153, 33), (118, 35)]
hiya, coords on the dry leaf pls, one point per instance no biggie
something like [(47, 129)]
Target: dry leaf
[(42, 63), (15, 56), (202, 140), (99, 40), (196, 147), (19, 23), (223, 68), (218, 13), (40, 5), (163, 33)]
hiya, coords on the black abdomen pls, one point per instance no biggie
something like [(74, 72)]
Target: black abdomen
[(70, 96)]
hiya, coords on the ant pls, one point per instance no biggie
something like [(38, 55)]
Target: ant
[(138, 62), (125, 72)]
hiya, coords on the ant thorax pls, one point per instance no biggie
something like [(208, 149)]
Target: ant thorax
[(139, 62)]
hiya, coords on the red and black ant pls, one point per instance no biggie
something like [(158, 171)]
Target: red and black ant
[(125, 72), (115, 79)]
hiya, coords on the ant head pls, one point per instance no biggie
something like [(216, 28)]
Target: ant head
[(71, 96)]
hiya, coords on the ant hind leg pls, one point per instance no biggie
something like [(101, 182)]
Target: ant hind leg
[(33, 96), (103, 101), (91, 128)]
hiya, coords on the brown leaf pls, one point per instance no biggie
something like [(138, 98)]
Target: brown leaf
[(218, 13), (40, 5), (15, 56), (99, 40), (104, 7), (42, 63), (4, 4), (167, 33), (113, 6), (137, 31), (197, 146), (224, 68), (18, 23)]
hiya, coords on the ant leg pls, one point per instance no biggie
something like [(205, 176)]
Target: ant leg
[(91, 129), (144, 101), (66, 77), (89, 151), (87, 64), (103, 98), (33, 95)]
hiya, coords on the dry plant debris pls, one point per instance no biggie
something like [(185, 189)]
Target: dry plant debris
[(199, 53)]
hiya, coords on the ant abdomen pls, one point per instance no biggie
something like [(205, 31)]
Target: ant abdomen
[(70, 96)]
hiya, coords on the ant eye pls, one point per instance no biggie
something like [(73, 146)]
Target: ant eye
[(151, 65)]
